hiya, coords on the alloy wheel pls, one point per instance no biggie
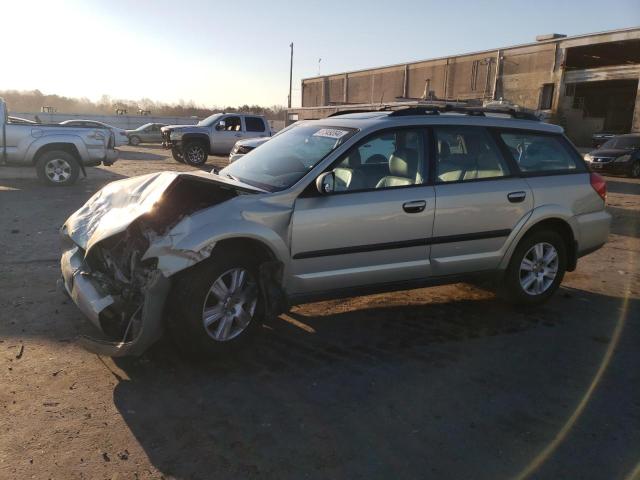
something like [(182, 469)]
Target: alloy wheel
[(230, 304), (196, 155), (539, 268), (58, 170)]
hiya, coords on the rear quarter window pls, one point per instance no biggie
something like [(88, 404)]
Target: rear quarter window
[(542, 153), (254, 124)]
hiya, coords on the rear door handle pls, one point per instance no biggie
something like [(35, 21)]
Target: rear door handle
[(414, 207), (517, 197)]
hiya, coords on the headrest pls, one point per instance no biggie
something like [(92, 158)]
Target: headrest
[(539, 148), (404, 163), (443, 149), (352, 160)]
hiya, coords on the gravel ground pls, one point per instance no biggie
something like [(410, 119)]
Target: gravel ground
[(445, 382)]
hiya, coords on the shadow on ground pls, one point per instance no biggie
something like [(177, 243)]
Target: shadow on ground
[(142, 155), (618, 185), (434, 390)]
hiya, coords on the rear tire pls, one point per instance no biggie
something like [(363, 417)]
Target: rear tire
[(57, 168), (177, 155), (195, 154), (134, 140), (536, 268), (207, 314)]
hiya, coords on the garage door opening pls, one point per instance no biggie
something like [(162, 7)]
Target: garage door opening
[(625, 52), (611, 100)]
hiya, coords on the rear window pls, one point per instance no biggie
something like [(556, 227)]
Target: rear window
[(254, 124), (538, 153)]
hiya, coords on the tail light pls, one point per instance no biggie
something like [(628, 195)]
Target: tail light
[(124, 134), (599, 185)]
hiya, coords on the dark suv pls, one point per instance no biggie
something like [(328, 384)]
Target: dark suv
[(620, 155)]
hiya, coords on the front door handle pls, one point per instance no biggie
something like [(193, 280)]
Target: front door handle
[(517, 197), (414, 207)]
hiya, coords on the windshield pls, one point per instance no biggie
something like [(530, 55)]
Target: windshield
[(142, 127), (207, 122), (287, 157), (622, 142)]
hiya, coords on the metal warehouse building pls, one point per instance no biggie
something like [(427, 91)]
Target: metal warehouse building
[(587, 83)]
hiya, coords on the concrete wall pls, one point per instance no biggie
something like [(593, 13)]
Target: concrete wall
[(123, 121), (120, 121)]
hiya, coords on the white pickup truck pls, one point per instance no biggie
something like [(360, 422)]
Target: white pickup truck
[(58, 152)]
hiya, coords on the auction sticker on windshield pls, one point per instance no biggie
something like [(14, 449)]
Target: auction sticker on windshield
[(330, 133)]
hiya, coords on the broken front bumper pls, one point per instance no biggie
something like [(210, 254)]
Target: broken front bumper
[(93, 300)]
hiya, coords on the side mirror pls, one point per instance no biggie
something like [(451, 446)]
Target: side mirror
[(221, 125), (325, 183)]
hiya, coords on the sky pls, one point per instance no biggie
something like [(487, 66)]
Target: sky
[(233, 53)]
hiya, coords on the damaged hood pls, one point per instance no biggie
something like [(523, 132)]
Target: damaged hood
[(116, 206)]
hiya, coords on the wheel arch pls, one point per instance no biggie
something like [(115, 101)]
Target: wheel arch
[(197, 137), (556, 223), (67, 147), (255, 248)]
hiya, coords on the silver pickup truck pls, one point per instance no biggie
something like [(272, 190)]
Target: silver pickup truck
[(58, 152), (215, 135)]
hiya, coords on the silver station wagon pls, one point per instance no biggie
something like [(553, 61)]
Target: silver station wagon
[(352, 204)]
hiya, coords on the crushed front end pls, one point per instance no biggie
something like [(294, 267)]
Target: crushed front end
[(121, 295), (103, 263)]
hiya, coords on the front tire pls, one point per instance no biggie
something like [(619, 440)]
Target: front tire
[(177, 155), (58, 168), (134, 140), (536, 268), (215, 307), (195, 154), (634, 171)]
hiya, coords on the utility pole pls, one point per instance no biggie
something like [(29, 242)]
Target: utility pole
[(290, 75)]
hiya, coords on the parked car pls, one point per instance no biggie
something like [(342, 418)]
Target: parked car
[(598, 139), (147, 133), (463, 195), (215, 135), (119, 133), (242, 147), (58, 152), (619, 155)]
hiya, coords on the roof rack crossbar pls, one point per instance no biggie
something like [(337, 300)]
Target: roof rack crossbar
[(348, 112), (440, 107), (474, 111)]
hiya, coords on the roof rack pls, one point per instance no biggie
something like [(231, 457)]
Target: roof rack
[(473, 111), (347, 112), (436, 108)]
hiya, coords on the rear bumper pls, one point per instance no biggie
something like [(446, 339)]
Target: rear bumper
[(93, 299), (97, 157), (593, 230), (112, 156)]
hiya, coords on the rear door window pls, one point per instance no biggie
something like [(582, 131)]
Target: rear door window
[(254, 124), (465, 153), (540, 153)]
